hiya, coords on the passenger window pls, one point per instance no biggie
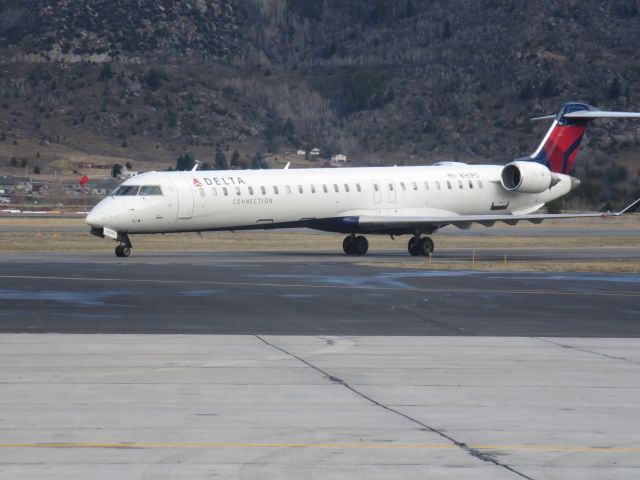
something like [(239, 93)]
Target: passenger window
[(335, 187), (250, 190), (313, 189), (448, 184), (237, 190), (402, 185), (437, 184), (324, 187), (391, 187), (275, 189), (300, 190), (479, 183), (358, 187), (214, 191), (150, 190), (288, 188), (426, 185), (225, 191), (263, 190), (375, 187), (470, 184), (460, 184), (346, 187), (414, 185)]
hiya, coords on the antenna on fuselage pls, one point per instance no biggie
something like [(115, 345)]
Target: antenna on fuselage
[(195, 167), (286, 167)]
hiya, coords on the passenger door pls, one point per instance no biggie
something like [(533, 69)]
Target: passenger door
[(391, 190), (185, 195)]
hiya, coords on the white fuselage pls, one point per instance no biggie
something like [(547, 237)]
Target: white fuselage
[(234, 199)]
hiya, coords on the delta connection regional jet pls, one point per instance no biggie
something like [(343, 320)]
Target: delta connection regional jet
[(355, 201)]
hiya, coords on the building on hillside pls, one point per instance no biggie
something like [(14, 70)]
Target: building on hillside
[(301, 152), (314, 152)]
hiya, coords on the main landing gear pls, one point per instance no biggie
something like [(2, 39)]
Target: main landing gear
[(124, 247), (420, 246), (358, 245), (355, 245)]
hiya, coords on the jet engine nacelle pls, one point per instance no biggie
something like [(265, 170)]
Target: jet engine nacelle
[(527, 177)]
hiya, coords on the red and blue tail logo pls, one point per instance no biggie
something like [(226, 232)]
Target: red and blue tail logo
[(559, 148)]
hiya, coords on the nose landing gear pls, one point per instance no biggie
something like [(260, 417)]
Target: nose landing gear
[(124, 247), (123, 251)]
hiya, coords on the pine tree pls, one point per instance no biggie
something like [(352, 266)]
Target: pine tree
[(221, 161), (235, 156)]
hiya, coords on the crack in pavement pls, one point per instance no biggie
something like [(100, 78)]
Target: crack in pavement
[(474, 452), (586, 350)]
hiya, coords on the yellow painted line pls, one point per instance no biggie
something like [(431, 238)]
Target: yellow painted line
[(342, 446), (315, 286)]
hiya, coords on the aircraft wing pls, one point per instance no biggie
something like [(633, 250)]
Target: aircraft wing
[(464, 221)]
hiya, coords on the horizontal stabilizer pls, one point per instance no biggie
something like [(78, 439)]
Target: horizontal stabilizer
[(546, 117), (588, 114)]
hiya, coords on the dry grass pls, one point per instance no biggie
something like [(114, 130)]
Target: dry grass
[(600, 266), (49, 240)]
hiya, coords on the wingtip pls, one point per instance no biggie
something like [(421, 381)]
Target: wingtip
[(630, 208)]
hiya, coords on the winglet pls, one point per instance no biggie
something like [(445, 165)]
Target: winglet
[(630, 208)]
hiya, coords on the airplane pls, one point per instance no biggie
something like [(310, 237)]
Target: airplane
[(414, 200)]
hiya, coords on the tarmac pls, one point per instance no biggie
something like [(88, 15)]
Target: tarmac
[(315, 365), (310, 294)]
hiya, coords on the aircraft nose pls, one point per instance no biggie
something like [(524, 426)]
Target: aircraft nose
[(93, 219), (96, 218)]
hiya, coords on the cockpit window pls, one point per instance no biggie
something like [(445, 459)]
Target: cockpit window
[(126, 190), (150, 190)]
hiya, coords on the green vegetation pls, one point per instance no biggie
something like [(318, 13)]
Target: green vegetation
[(185, 162), (154, 78), (220, 160), (364, 91)]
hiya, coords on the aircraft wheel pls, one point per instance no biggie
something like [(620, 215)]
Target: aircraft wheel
[(425, 246), (348, 245), (123, 251), (361, 245), (413, 246)]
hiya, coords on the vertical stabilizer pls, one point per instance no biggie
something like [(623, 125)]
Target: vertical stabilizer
[(559, 147)]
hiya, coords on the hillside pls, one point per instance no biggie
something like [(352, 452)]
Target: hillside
[(384, 81)]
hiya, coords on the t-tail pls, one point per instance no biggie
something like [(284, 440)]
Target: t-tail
[(559, 147)]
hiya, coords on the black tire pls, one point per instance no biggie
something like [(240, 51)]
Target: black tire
[(126, 251), (119, 251), (361, 245), (347, 245), (413, 247), (425, 246)]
